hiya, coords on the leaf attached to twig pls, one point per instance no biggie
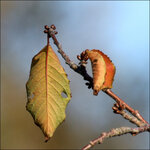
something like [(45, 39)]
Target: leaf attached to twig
[(103, 70), (48, 91)]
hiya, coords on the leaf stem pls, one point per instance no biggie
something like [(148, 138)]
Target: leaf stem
[(47, 40)]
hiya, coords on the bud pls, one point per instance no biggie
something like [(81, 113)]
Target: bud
[(46, 27), (53, 27), (45, 31)]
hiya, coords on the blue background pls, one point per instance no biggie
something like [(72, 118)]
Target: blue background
[(119, 28)]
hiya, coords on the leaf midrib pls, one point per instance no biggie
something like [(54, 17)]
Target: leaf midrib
[(46, 74)]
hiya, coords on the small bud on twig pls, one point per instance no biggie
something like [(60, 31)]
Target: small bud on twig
[(55, 32), (53, 27), (46, 27), (45, 31)]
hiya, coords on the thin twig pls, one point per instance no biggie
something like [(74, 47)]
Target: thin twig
[(82, 70), (132, 119), (116, 132), (79, 69), (136, 118), (120, 101)]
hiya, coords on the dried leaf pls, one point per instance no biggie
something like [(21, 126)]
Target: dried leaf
[(47, 82), (98, 70), (110, 69), (103, 70)]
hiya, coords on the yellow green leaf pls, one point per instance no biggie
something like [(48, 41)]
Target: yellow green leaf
[(45, 88)]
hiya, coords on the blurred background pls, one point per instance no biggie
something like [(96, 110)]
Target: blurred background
[(119, 28)]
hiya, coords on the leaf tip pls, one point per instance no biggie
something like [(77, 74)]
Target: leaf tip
[(95, 92), (46, 139)]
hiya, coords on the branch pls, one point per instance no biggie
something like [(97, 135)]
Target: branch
[(82, 71), (142, 127), (116, 132), (126, 106), (131, 118), (118, 108)]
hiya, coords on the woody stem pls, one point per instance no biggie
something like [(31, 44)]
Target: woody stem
[(127, 107)]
